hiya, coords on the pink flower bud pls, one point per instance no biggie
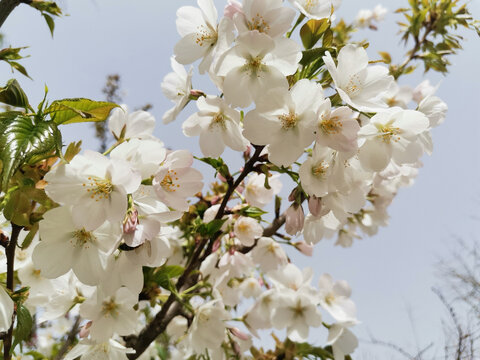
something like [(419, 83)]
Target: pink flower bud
[(294, 219), (196, 93), (292, 195), (216, 245), (131, 222), (215, 200), (232, 8), (221, 178), (85, 330), (304, 248), (239, 334), (315, 205)]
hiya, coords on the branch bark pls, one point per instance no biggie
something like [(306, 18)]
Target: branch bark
[(7, 6), (10, 253), (172, 307)]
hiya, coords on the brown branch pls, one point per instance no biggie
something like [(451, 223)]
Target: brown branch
[(7, 6), (172, 307), (70, 339), (10, 254)]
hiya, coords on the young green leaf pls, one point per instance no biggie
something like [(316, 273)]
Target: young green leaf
[(69, 111), (312, 31), (24, 325), (21, 139), (12, 94)]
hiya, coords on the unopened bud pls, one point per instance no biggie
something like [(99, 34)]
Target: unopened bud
[(294, 219), (239, 334), (304, 248), (315, 205), (131, 222), (85, 330)]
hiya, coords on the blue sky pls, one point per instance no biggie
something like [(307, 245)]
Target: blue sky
[(391, 273)]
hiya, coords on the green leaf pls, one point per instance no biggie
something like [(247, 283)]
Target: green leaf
[(69, 111), (9, 55), (327, 38), (12, 94), (211, 228), (312, 31), (49, 7), (165, 273), (24, 325), (21, 138), (311, 55), (50, 23), (218, 164), (251, 211)]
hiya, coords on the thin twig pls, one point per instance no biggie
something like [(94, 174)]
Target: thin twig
[(70, 339)]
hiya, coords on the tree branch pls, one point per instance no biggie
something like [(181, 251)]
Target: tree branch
[(172, 307), (7, 6), (70, 339), (10, 253)]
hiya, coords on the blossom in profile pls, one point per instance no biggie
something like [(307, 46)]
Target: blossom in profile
[(6, 310), (108, 350), (176, 86), (138, 124)]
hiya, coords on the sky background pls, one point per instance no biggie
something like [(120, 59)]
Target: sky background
[(391, 273)]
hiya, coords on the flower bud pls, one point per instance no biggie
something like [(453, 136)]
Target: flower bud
[(131, 221), (304, 248), (239, 334), (294, 219), (315, 205)]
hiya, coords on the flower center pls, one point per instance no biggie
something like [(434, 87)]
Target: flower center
[(319, 170), (206, 36), (168, 182), (83, 237), (289, 120), (331, 125), (310, 4), (110, 308), (258, 23), (354, 85), (98, 188), (389, 133), (218, 120), (329, 299), (253, 66)]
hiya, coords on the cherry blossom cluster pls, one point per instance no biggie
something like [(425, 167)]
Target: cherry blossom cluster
[(347, 143)]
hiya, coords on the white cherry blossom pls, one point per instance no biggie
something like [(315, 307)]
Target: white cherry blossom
[(73, 247), (358, 84), (176, 86), (138, 124), (266, 16), (95, 185), (257, 194), (108, 350), (217, 124), (335, 298), (255, 64), (6, 310), (247, 230), (176, 180), (285, 121), (316, 9)]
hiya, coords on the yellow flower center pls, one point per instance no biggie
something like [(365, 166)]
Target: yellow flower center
[(389, 133), (353, 85), (218, 120), (110, 308), (168, 182), (206, 36), (258, 23), (319, 170), (83, 237), (98, 188), (331, 125), (310, 4), (289, 120)]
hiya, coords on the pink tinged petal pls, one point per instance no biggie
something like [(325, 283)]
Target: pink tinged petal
[(375, 154), (53, 259)]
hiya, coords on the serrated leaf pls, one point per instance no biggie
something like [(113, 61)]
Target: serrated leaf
[(327, 38), (21, 139), (218, 164), (24, 325), (312, 31), (165, 273), (12, 94), (72, 150), (69, 111), (311, 55)]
